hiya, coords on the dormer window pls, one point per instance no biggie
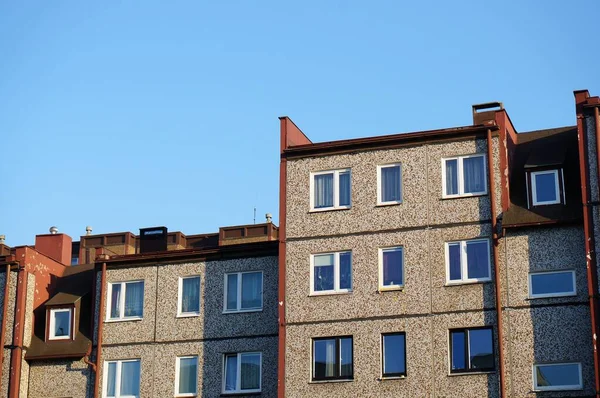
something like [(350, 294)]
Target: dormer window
[(546, 187), (60, 325)]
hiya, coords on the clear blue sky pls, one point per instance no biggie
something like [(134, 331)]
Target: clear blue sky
[(129, 114)]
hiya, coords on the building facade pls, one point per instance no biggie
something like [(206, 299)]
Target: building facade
[(441, 263)]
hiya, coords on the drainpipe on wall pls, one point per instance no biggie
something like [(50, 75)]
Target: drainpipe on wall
[(281, 281), (88, 353), (590, 255), (495, 242), (100, 329), (4, 314), (16, 356)]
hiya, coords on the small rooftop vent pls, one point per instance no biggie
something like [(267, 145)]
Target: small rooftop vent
[(486, 113), (153, 239)]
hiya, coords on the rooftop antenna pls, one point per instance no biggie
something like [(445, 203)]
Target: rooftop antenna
[(254, 215)]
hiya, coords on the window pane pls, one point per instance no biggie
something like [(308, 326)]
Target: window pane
[(62, 323), (130, 378), (478, 260), (552, 283), (230, 372), (392, 267), (252, 290), (134, 299), (111, 375), (481, 354), (452, 177), (190, 291), (473, 174), (558, 375), (188, 371), (323, 272), (232, 292), (346, 357), (115, 301), (324, 361), (458, 350), (323, 190), (250, 371), (393, 354), (545, 187), (344, 182), (390, 184), (454, 261), (346, 270)]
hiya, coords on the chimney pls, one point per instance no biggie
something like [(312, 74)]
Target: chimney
[(55, 245), (486, 113), (153, 239)]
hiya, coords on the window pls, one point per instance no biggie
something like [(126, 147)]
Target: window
[(332, 358), (331, 273), (557, 376), (330, 190), (186, 376), (545, 187), (393, 354), (468, 261), (61, 321), (189, 296), (242, 372), (464, 176), (125, 300), (389, 184), (391, 268), (243, 291), (552, 284), (471, 350), (122, 379)]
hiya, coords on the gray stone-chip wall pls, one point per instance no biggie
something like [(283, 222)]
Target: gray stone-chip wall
[(59, 378), (10, 316)]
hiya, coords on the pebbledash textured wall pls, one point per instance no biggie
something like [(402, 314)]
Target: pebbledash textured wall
[(162, 336), (425, 309), (10, 316), (545, 329), (60, 378)]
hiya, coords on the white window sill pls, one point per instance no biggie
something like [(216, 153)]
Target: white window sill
[(329, 293), (547, 296), (466, 195), (330, 381), (187, 315), (242, 392), (557, 389), (385, 378), (124, 320), (395, 288), (240, 312), (460, 283), (329, 209), (384, 204), (487, 372), (185, 395)]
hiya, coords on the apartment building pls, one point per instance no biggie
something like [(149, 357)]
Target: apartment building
[(450, 263), (155, 315)]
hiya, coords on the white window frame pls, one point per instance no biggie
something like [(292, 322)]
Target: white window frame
[(545, 295), (336, 274), (119, 363), (556, 388), (239, 293), (336, 190), (52, 323), (464, 271), (177, 367), (238, 382), (380, 201), (181, 314), (391, 287), (534, 200), (461, 182), (122, 317)]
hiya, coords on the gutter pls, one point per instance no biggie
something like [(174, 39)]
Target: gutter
[(590, 255), (495, 242), (16, 356), (4, 314), (100, 329)]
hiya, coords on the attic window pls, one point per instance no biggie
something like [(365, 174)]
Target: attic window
[(546, 187), (60, 325)]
